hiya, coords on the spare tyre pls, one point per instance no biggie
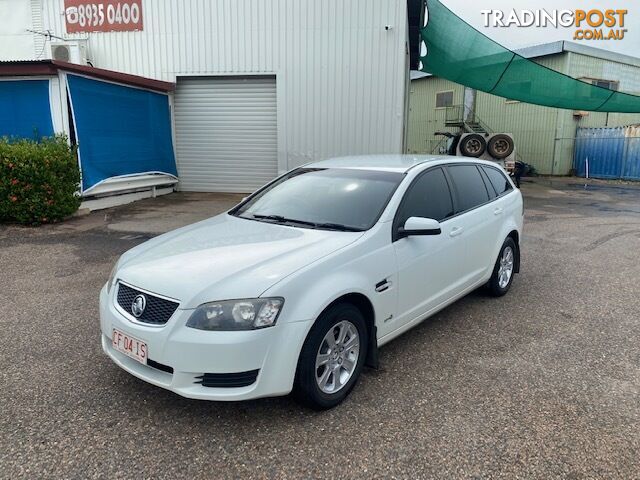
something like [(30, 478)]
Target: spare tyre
[(473, 145), (500, 146)]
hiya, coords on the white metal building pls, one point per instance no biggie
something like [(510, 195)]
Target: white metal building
[(262, 85)]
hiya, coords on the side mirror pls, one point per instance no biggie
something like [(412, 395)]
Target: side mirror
[(419, 226)]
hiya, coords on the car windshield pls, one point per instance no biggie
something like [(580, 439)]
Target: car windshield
[(329, 198)]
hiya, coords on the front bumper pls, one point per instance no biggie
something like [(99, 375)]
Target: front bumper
[(191, 353)]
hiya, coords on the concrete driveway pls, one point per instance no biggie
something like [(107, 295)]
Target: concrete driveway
[(542, 383)]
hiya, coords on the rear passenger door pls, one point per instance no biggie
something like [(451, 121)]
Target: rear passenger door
[(502, 207), (475, 212)]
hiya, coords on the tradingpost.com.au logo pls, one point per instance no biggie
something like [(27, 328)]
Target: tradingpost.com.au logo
[(589, 24)]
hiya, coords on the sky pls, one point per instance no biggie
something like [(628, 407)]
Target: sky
[(514, 37)]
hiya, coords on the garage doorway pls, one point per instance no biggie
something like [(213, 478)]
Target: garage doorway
[(226, 133)]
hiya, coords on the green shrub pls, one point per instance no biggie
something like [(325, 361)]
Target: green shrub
[(39, 180)]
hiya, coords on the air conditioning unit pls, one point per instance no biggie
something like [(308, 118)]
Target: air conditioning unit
[(72, 51)]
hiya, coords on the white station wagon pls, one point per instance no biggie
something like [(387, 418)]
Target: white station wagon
[(296, 287)]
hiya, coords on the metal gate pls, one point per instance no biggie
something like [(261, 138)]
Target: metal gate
[(226, 133), (608, 152)]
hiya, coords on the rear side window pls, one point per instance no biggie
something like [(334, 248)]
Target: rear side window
[(469, 185), (498, 180), (428, 197)]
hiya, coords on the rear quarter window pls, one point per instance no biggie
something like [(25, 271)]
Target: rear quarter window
[(498, 179)]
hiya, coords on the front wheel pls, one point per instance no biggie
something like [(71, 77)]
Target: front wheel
[(332, 357), (504, 269)]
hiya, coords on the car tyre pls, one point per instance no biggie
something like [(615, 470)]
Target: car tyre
[(500, 146), (326, 372), (473, 145), (504, 269)]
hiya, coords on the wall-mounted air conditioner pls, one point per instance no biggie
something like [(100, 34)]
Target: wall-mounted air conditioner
[(72, 51)]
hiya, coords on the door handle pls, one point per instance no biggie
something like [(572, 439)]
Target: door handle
[(383, 286), (455, 231), (498, 211)]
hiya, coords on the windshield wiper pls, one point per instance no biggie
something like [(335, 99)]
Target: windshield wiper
[(281, 219), (337, 226), (326, 225)]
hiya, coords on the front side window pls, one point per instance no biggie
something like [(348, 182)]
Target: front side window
[(428, 197), (498, 179), (324, 198), (469, 185)]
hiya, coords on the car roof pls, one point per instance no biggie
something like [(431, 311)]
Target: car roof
[(390, 162)]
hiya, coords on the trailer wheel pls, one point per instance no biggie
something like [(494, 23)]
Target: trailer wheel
[(473, 145), (500, 146)]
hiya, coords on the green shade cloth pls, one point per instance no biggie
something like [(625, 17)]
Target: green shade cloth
[(458, 52)]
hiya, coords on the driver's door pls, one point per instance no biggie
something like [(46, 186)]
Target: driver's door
[(430, 268)]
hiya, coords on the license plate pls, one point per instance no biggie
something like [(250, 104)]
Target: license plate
[(130, 346)]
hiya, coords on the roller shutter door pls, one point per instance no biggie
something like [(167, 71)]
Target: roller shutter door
[(225, 132)]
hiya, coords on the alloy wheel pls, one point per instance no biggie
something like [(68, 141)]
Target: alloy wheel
[(505, 271), (337, 357)]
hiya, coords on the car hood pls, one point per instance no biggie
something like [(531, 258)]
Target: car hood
[(225, 257)]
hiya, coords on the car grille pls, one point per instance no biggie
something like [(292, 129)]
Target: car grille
[(228, 380), (157, 312)]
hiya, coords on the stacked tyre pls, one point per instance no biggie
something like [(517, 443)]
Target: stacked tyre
[(500, 146), (475, 145)]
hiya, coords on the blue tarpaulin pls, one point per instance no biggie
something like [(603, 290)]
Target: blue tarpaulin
[(24, 109), (120, 130)]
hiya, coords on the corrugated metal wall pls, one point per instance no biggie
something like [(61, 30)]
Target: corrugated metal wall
[(424, 118), (544, 136), (583, 66), (608, 152), (36, 24), (340, 75), (533, 126)]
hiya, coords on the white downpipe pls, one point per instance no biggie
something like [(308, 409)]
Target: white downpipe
[(586, 164), (586, 161)]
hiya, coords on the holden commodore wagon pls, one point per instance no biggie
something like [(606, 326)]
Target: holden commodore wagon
[(296, 288)]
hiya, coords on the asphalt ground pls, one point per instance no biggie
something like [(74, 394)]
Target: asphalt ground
[(543, 383)]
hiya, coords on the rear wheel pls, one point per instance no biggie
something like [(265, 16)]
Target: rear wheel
[(332, 357), (504, 269)]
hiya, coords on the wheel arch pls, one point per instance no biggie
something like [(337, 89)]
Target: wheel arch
[(515, 236), (364, 304)]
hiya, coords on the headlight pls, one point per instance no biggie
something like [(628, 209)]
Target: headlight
[(112, 276), (249, 314)]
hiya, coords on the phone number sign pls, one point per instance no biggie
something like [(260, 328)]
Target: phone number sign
[(103, 15)]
